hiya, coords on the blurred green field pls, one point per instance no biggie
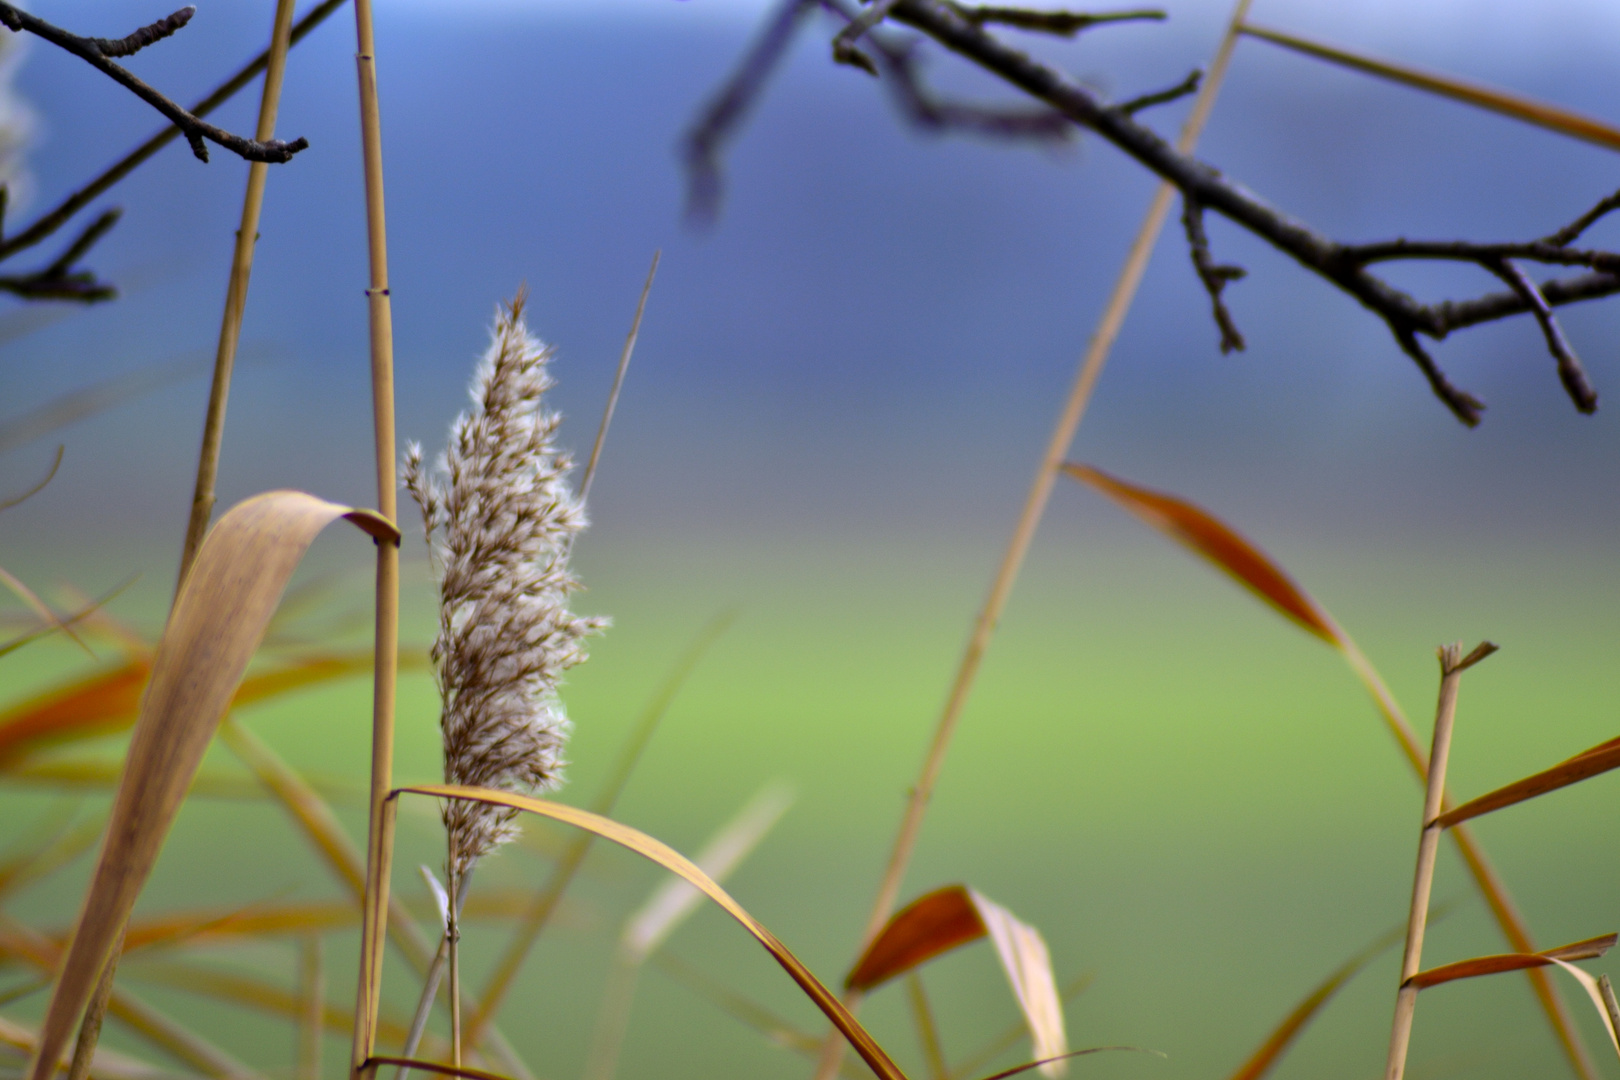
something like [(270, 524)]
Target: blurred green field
[(1191, 798)]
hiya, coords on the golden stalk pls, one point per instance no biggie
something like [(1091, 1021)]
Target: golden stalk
[(230, 330), (1452, 665), (927, 1030), (1485, 877), (1489, 98), (312, 1007), (379, 846), (984, 627)]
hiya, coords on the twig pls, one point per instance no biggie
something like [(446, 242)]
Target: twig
[(95, 52), (843, 43), (618, 383), (1452, 665), (1569, 365), (1061, 23), (1215, 276), (59, 281), (1186, 86), (230, 329), (54, 219), (1572, 232), (1029, 518)]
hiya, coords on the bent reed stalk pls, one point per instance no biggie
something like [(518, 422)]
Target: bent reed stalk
[(1029, 519)]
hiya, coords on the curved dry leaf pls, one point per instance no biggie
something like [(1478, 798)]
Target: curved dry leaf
[(1028, 965), (1583, 766), (1494, 965), (1208, 536), (218, 618), (927, 927), (670, 859), (676, 899), (1603, 1002)]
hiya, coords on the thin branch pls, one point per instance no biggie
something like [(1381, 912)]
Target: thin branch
[(1571, 232), (1214, 275), (721, 118), (196, 130), (145, 36), (1186, 86), (1569, 365), (843, 43), (59, 281), (1061, 23), (1465, 406), (54, 219)]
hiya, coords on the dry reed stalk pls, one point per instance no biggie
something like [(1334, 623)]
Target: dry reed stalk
[(1452, 665), (379, 833), (618, 381), (312, 1007), (1542, 115), (230, 330), (545, 902), (984, 627), (927, 1029)]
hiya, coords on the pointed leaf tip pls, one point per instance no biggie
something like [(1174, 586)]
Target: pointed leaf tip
[(1203, 533)]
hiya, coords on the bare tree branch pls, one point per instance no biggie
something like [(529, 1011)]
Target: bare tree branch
[(1186, 86), (1061, 23), (961, 30), (95, 52), (59, 281)]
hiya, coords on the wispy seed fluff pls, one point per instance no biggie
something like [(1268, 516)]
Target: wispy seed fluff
[(500, 519)]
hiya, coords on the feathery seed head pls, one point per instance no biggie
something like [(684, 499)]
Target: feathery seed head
[(500, 519)]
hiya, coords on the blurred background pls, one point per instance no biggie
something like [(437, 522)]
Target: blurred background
[(840, 393)]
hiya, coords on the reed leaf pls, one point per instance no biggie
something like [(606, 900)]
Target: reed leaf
[(1583, 766), (106, 1065), (248, 992), (1214, 540), (672, 860), (1601, 994), (222, 609), (957, 915), (1495, 965)]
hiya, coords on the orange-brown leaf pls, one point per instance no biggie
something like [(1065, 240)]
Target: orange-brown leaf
[(1494, 965), (1583, 766), (930, 925), (96, 704), (1219, 543)]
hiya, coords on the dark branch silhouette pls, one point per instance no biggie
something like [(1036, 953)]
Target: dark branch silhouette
[(961, 30), (96, 51)]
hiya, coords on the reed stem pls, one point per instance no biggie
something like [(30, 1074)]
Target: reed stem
[(230, 330), (1452, 665), (618, 380), (379, 847), (1012, 561), (312, 984), (452, 936)]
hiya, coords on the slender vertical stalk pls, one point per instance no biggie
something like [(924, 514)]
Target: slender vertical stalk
[(230, 330), (1452, 665), (613, 1021), (1012, 561), (927, 1030), (312, 988), (95, 1013), (618, 380), (452, 936), (379, 847)]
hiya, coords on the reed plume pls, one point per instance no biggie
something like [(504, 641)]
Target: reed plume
[(500, 519)]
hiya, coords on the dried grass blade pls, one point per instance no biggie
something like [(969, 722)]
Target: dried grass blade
[(778, 1031), (87, 611), (1494, 965), (930, 925), (1542, 115), (1283, 1036), (218, 618), (1602, 995), (18, 500), (1583, 766), (41, 609), (1015, 1033), (107, 1065), (53, 853), (1028, 965), (247, 992), (95, 704), (667, 857), (1212, 538)]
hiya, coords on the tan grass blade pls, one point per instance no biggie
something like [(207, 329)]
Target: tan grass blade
[(618, 381), (930, 925), (49, 855), (777, 1031), (107, 1064), (676, 899), (1495, 965), (1583, 766), (672, 860), (88, 612), (215, 626), (1485, 877), (50, 474), (1530, 111), (1028, 966), (40, 609), (1283, 1036), (1603, 1000), (1214, 540), (1015, 1033), (209, 783)]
